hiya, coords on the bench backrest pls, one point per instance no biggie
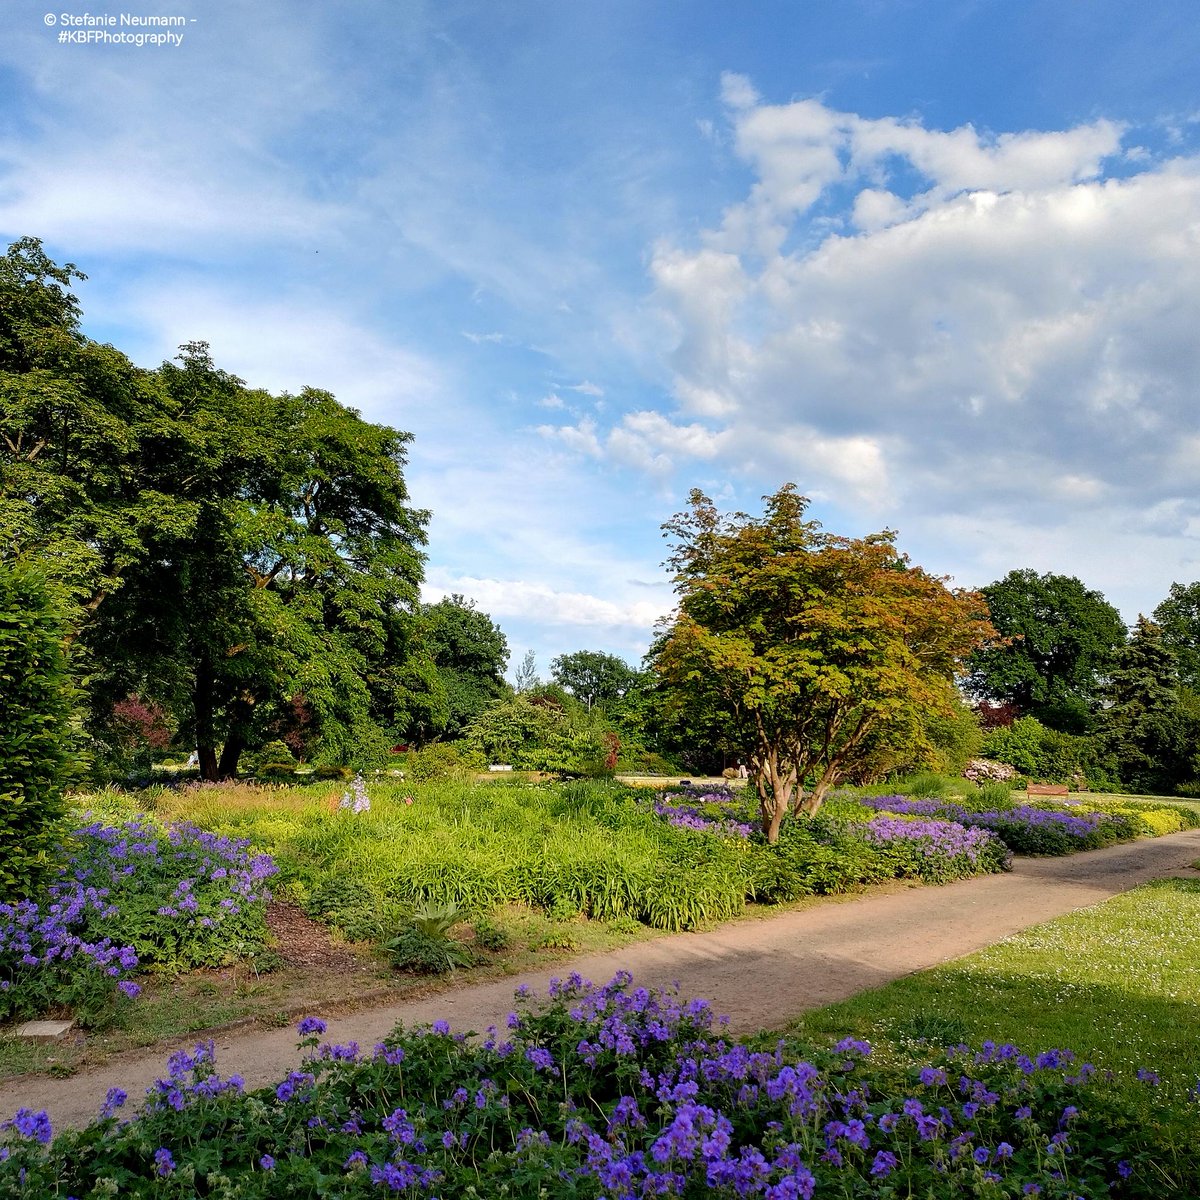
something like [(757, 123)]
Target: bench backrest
[(1047, 789)]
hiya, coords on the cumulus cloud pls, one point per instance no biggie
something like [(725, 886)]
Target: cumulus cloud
[(645, 439), (988, 323), (538, 602)]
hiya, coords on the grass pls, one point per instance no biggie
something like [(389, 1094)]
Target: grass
[(1118, 983)]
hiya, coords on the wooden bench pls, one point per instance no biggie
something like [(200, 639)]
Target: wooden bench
[(1047, 789)]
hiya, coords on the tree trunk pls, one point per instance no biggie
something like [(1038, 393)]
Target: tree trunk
[(241, 712), (230, 753), (202, 705), (811, 803), (774, 788)]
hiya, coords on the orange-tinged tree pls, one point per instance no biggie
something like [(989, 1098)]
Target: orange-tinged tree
[(819, 654)]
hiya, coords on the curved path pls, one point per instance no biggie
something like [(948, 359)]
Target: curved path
[(760, 972)]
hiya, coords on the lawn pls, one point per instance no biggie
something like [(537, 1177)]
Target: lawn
[(1119, 983)]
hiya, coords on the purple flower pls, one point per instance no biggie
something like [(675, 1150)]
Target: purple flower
[(33, 1124), (267, 1163), (540, 1058), (311, 1026), (885, 1163), (164, 1164)]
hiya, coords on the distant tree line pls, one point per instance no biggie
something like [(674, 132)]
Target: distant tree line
[(238, 572)]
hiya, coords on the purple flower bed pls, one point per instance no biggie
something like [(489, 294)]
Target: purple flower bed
[(619, 1092), (709, 812), (938, 850), (130, 895), (1024, 828)]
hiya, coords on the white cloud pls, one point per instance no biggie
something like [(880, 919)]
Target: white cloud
[(533, 601), (645, 440), (1012, 335), (579, 438), (286, 345)]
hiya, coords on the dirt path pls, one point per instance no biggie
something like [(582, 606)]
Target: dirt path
[(761, 972)]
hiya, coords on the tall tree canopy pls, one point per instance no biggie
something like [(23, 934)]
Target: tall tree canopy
[(219, 549), (815, 653), (1061, 639), (469, 653), (1150, 735), (1178, 617), (592, 676)]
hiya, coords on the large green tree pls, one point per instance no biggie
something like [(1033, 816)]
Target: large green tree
[(217, 548), (592, 676), (1149, 733), (1059, 639), (469, 653), (74, 417), (296, 574), (816, 652), (1178, 617)]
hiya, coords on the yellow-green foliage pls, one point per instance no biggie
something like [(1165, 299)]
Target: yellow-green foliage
[(1155, 819), (584, 846)]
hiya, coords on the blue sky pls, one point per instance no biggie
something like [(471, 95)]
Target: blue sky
[(936, 263)]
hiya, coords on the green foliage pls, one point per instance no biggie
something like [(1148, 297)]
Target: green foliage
[(425, 946), (489, 935), (330, 771), (928, 783), (1149, 731), (215, 549), (1178, 616), (469, 653), (443, 760), (817, 656), (574, 1097), (592, 676), (533, 731), (995, 796), (587, 847), (35, 733), (1048, 755), (1061, 640)]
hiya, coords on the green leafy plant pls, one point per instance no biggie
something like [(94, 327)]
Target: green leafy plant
[(489, 935), (425, 944)]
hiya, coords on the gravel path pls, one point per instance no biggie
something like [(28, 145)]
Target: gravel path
[(761, 972)]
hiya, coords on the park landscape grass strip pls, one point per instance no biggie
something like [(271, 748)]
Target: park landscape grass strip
[(1118, 982)]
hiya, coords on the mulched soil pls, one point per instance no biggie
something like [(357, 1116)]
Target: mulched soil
[(302, 942)]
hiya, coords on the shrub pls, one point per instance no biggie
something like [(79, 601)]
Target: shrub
[(443, 760), (489, 935), (132, 895), (327, 771), (425, 946), (1025, 828), (34, 734), (985, 770), (995, 796)]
